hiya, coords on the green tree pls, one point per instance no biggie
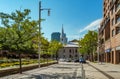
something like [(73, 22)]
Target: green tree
[(89, 44), (54, 47), (18, 32)]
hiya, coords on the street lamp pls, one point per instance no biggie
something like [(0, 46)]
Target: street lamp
[(39, 44)]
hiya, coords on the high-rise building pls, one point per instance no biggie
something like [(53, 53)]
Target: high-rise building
[(63, 37), (55, 36), (109, 32)]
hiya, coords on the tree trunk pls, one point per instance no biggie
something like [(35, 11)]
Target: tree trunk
[(56, 56), (20, 70), (47, 60)]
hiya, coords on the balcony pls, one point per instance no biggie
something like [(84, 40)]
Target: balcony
[(112, 3), (105, 24)]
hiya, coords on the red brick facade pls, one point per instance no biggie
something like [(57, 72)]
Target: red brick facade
[(109, 32)]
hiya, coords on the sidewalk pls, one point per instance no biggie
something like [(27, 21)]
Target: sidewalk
[(62, 70), (102, 71)]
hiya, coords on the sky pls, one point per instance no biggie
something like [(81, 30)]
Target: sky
[(77, 16)]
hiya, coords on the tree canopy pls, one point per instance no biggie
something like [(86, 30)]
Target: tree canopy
[(18, 31), (54, 47), (88, 43)]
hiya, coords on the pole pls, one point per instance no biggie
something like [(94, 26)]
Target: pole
[(98, 54), (98, 47), (39, 37), (39, 49)]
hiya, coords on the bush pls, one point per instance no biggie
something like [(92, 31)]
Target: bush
[(3, 65)]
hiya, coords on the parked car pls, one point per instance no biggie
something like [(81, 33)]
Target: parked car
[(61, 60), (82, 60), (68, 60), (76, 60)]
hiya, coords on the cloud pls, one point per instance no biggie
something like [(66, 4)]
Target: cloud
[(75, 36), (92, 26)]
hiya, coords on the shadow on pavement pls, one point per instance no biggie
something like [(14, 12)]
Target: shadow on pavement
[(51, 76), (107, 75)]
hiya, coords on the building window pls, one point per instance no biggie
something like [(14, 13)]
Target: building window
[(113, 32), (70, 50), (102, 41), (113, 22), (117, 30), (117, 6), (111, 11), (76, 55), (118, 18), (64, 50), (76, 50), (70, 56)]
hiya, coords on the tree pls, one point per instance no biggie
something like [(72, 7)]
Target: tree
[(54, 47), (89, 44), (18, 32)]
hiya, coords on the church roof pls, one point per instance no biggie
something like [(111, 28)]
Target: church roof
[(72, 44)]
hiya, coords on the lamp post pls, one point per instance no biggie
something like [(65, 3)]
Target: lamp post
[(39, 43), (98, 50)]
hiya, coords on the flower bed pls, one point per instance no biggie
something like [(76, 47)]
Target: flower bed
[(24, 68)]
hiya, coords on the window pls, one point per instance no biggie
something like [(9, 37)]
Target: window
[(118, 18), (70, 56), (76, 55), (117, 6), (64, 50), (76, 50), (117, 30), (113, 22), (113, 32), (112, 10), (70, 50)]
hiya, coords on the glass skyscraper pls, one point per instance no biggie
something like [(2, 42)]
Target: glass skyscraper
[(55, 36)]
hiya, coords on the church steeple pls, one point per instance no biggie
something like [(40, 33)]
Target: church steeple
[(63, 36)]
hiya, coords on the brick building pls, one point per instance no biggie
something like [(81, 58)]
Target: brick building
[(109, 32)]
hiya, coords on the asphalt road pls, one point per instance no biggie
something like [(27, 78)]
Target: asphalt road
[(63, 70)]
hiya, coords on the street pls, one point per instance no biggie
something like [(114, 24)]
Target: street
[(71, 70), (63, 70)]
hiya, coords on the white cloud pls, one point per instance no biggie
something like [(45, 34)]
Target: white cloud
[(76, 36), (73, 36), (92, 26)]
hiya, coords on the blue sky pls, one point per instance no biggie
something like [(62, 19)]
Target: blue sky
[(77, 16)]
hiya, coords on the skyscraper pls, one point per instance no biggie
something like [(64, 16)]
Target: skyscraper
[(55, 36)]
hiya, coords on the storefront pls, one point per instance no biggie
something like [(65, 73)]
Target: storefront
[(108, 55)]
